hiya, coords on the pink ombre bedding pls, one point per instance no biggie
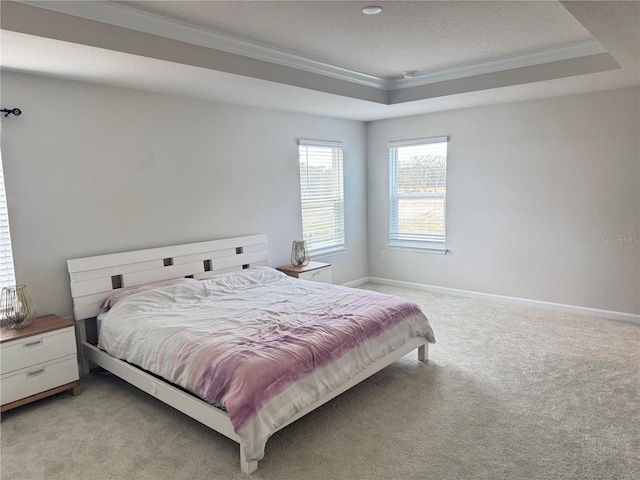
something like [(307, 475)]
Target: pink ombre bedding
[(260, 343)]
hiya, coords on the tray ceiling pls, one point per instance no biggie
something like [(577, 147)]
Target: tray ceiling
[(330, 57), (422, 36)]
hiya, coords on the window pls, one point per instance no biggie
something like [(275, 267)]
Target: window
[(322, 195), (7, 276), (417, 193)]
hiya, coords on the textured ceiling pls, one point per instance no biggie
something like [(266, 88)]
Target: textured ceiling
[(422, 36)]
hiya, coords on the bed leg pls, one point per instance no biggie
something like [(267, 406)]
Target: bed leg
[(247, 467), (85, 369), (423, 352)]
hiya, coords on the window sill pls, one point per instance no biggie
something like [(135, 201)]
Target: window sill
[(327, 253), (419, 249)]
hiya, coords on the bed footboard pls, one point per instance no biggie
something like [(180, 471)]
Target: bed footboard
[(210, 416)]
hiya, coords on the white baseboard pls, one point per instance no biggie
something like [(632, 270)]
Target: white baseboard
[(357, 282), (594, 312)]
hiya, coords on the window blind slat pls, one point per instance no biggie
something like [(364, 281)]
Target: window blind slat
[(417, 191), (322, 194), (7, 275)]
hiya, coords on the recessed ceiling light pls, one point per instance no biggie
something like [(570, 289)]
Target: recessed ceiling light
[(372, 10), (409, 74)]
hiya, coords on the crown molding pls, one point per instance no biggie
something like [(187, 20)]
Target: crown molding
[(127, 17), (538, 57)]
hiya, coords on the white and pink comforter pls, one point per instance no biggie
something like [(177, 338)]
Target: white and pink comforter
[(260, 343)]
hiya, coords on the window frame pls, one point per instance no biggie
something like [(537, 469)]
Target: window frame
[(337, 198), (428, 243)]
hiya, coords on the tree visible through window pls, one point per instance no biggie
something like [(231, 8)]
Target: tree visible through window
[(322, 194), (417, 193)]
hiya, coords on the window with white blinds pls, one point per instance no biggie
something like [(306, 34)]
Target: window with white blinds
[(322, 195), (417, 193), (7, 276)]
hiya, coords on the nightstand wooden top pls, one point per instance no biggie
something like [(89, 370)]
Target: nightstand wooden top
[(47, 323), (302, 269)]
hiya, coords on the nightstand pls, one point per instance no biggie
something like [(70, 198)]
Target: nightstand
[(315, 272), (37, 361)]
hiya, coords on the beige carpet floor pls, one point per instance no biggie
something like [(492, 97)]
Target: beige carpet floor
[(510, 392)]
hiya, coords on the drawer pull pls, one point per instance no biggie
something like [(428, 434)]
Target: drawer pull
[(32, 344), (33, 373)]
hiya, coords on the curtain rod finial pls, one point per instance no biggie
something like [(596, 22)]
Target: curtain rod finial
[(7, 111)]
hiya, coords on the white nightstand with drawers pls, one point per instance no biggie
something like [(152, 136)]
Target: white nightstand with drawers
[(315, 272), (37, 361)]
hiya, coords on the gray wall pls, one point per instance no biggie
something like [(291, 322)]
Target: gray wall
[(534, 190), (91, 170)]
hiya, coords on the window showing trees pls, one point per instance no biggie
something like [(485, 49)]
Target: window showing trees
[(322, 195), (417, 193)]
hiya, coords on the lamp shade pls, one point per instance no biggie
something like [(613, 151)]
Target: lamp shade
[(299, 253), (17, 309)]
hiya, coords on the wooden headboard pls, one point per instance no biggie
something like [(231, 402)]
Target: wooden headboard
[(93, 279)]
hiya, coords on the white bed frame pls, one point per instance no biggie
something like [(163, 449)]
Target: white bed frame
[(93, 279)]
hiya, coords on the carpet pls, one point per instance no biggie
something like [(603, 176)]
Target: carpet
[(510, 392)]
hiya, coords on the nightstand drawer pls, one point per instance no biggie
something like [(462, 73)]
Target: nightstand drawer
[(318, 275), (36, 349), (38, 378)]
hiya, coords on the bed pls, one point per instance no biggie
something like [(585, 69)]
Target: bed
[(211, 330)]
